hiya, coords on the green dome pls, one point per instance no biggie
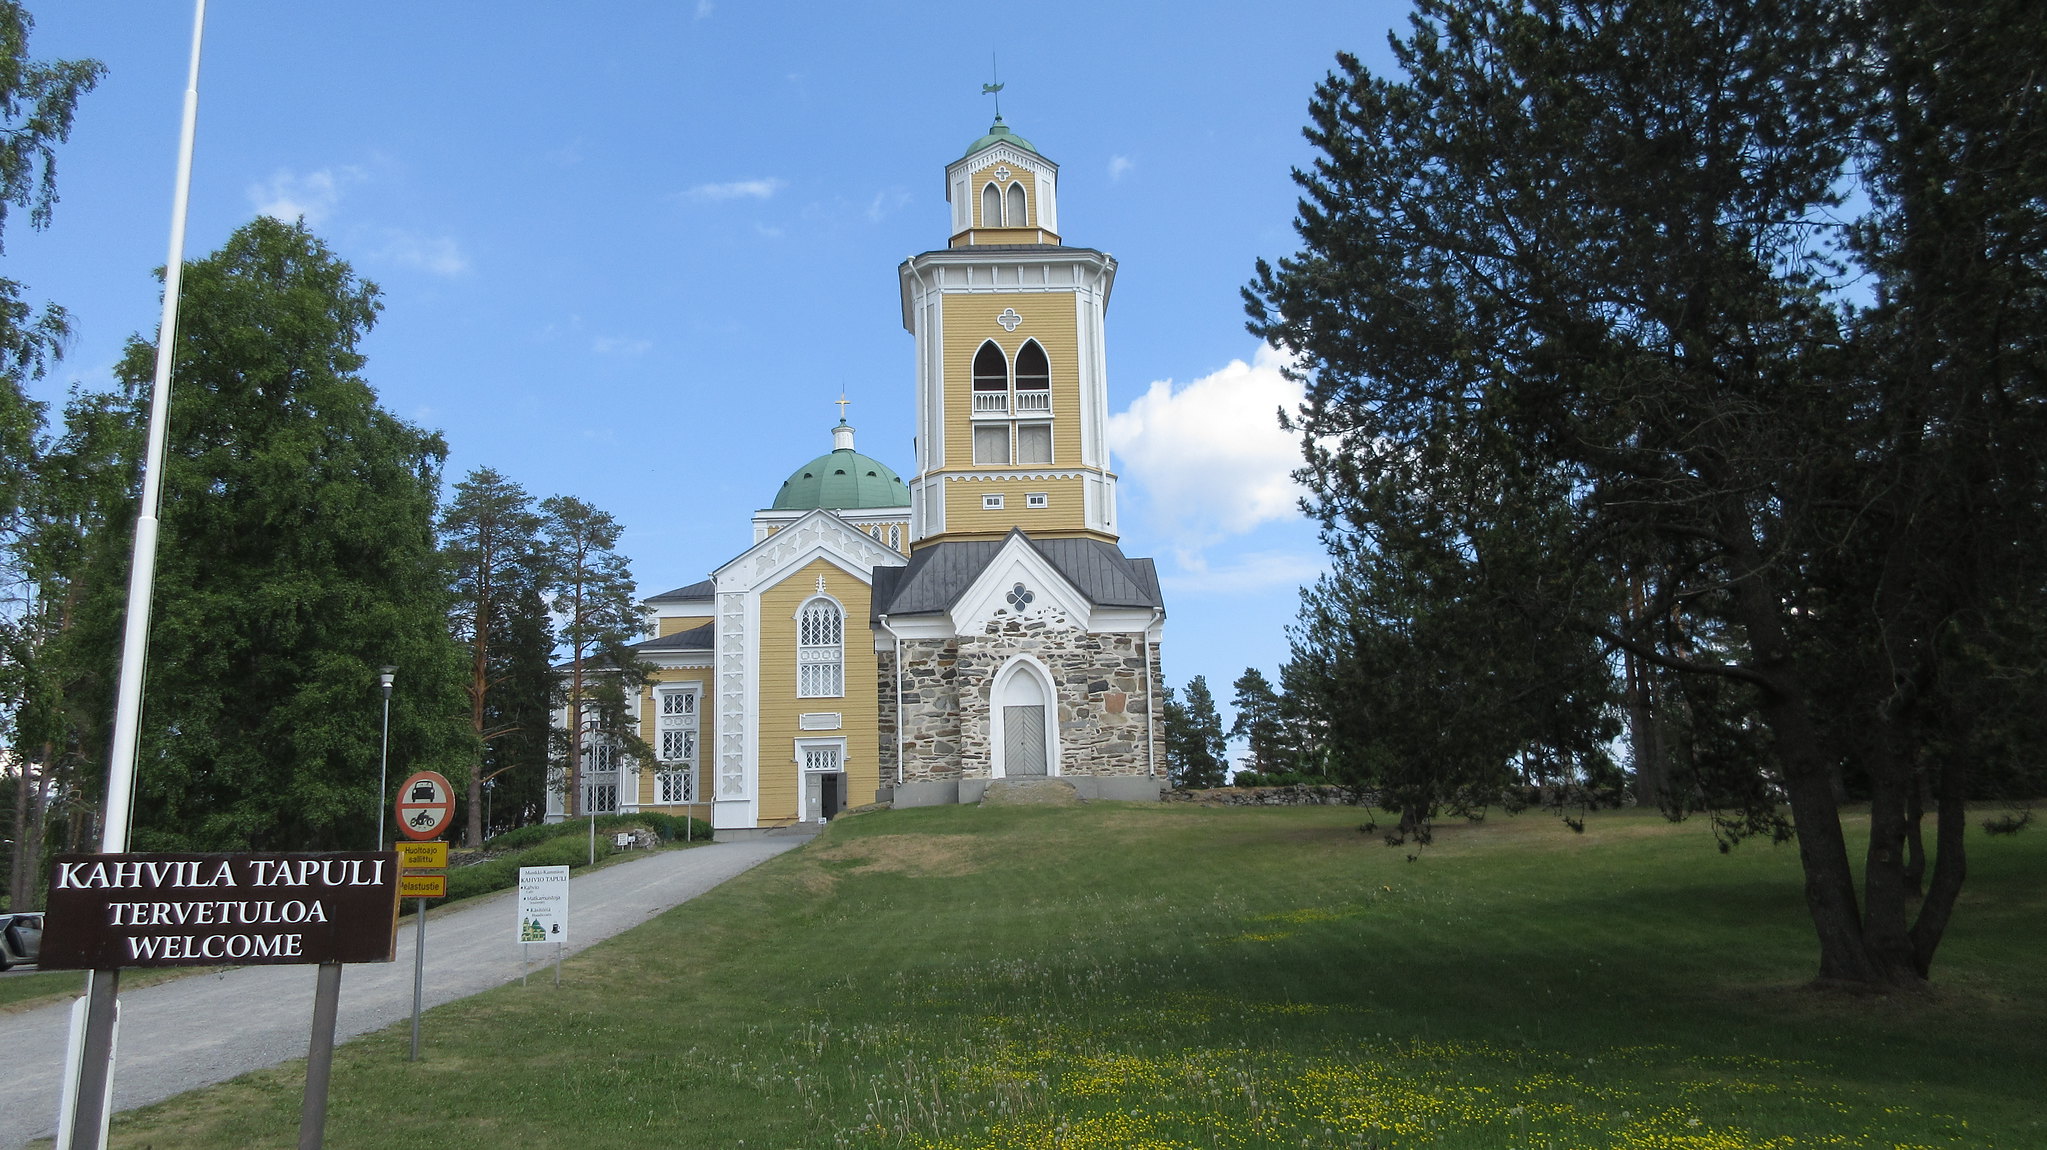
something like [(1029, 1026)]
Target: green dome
[(999, 133), (842, 479)]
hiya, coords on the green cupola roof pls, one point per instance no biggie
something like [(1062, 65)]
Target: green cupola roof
[(842, 479), (999, 133)]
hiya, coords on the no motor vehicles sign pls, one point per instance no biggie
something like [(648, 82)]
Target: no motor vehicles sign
[(426, 804)]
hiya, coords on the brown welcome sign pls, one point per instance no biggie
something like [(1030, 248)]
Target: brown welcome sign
[(108, 911)]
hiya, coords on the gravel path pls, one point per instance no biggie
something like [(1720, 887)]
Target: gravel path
[(192, 1032)]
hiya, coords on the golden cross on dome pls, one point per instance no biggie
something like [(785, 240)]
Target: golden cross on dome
[(842, 402)]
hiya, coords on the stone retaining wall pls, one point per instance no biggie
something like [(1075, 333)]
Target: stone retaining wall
[(1292, 796)]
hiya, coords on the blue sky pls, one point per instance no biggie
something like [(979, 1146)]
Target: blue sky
[(633, 252)]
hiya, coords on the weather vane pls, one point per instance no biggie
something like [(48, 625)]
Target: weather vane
[(994, 89)]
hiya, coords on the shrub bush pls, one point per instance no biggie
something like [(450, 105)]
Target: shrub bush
[(500, 873), (669, 827)]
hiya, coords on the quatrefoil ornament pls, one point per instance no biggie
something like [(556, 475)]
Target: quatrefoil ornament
[(1009, 319), (1019, 597)]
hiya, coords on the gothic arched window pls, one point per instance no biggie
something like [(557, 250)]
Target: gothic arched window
[(1033, 378), (991, 370), (991, 206), (820, 650), (1016, 216)]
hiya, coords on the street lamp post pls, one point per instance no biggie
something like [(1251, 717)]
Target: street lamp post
[(384, 677)]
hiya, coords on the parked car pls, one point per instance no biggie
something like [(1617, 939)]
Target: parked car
[(21, 938)]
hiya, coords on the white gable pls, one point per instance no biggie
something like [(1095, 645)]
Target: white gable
[(1019, 582), (821, 534)]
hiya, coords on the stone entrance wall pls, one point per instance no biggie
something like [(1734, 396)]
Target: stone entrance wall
[(1108, 718)]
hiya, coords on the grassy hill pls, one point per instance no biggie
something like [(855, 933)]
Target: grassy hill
[(1168, 976)]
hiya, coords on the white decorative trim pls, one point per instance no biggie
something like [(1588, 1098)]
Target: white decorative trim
[(733, 695), (1048, 686), (1010, 319), (998, 154), (820, 720), (996, 476), (817, 531)]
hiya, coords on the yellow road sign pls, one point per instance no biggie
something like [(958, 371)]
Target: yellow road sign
[(422, 856), (423, 886)]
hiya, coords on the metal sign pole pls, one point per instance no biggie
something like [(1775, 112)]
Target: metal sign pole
[(418, 972), (320, 1057), (96, 1046)]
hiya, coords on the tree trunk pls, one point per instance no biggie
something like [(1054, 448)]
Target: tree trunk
[(1808, 778), (1885, 899), (1915, 838), (18, 874)]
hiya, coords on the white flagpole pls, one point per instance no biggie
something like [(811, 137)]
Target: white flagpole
[(91, 1092)]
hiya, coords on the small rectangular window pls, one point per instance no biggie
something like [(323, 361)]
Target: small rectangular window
[(1037, 499), (1034, 443), (991, 503), (991, 444)]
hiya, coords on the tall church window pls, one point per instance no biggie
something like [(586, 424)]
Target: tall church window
[(1016, 216), (600, 774), (675, 745), (1033, 379), (991, 379), (991, 207), (820, 650)]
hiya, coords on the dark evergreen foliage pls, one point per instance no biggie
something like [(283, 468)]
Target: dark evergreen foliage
[(1195, 750), (296, 557), (490, 537), (1578, 312)]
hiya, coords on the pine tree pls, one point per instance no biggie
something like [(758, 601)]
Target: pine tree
[(591, 587), (1735, 305), (1194, 738), (1260, 723), (491, 543)]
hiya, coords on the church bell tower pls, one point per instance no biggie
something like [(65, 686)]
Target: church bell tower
[(1012, 388)]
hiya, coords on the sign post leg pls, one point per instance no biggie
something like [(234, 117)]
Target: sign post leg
[(418, 972), (89, 1090), (557, 966), (320, 1057)]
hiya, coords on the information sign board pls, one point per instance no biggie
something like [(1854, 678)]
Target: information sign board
[(422, 886), (128, 910), (543, 904), (426, 805), (422, 856)]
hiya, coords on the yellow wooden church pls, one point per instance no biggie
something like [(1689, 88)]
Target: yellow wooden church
[(918, 642)]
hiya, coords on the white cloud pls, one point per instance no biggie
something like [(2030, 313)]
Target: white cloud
[(1209, 458), (288, 196), (704, 8), (1251, 573), (1118, 165), (886, 202), (614, 345), (737, 190), (439, 255)]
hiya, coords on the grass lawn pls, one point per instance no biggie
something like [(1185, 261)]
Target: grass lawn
[(1170, 976)]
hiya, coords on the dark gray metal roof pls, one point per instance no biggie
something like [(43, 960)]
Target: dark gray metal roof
[(938, 575), (699, 590), (693, 639)]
